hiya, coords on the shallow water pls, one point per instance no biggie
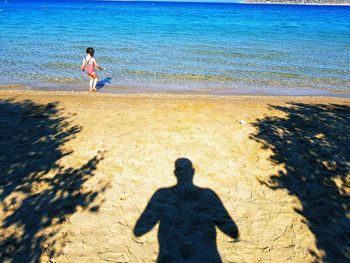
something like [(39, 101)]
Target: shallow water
[(215, 48)]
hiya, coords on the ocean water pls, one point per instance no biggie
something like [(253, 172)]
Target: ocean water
[(178, 47)]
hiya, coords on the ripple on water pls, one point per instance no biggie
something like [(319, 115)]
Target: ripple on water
[(266, 55), (60, 65), (111, 60), (187, 77), (63, 79)]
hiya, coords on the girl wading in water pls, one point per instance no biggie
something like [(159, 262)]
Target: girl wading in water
[(89, 64)]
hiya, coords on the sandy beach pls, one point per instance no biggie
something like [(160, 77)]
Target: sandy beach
[(89, 177)]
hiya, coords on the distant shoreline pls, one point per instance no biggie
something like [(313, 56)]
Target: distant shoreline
[(291, 3), (239, 2)]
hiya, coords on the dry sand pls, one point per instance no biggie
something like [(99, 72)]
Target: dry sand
[(78, 169)]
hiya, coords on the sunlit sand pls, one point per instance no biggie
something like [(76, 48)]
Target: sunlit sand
[(78, 170)]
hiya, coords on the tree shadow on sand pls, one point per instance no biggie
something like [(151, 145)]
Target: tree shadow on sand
[(37, 193), (313, 144), (188, 217)]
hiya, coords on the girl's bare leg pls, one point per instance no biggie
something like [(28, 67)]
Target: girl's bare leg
[(94, 84), (91, 83)]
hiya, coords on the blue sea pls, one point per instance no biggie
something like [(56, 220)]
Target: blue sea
[(177, 47)]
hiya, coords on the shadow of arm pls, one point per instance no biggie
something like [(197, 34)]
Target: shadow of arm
[(148, 218), (223, 220), (228, 226)]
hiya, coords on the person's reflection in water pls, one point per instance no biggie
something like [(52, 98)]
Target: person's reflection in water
[(187, 218)]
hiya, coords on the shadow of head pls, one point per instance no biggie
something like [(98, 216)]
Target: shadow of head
[(184, 171)]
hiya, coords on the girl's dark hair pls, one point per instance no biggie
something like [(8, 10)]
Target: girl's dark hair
[(90, 51)]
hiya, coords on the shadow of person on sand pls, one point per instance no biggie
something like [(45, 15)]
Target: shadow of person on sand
[(187, 217), (311, 144), (100, 84), (39, 191)]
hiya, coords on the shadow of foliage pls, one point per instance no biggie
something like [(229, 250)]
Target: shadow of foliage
[(313, 144), (37, 193)]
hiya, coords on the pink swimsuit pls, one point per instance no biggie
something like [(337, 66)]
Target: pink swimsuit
[(90, 69)]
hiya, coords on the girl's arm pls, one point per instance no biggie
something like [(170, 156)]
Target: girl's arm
[(97, 65), (83, 65)]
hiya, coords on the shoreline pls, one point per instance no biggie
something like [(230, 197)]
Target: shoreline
[(224, 92), (166, 95)]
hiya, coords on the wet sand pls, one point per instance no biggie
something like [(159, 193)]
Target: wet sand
[(79, 169)]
